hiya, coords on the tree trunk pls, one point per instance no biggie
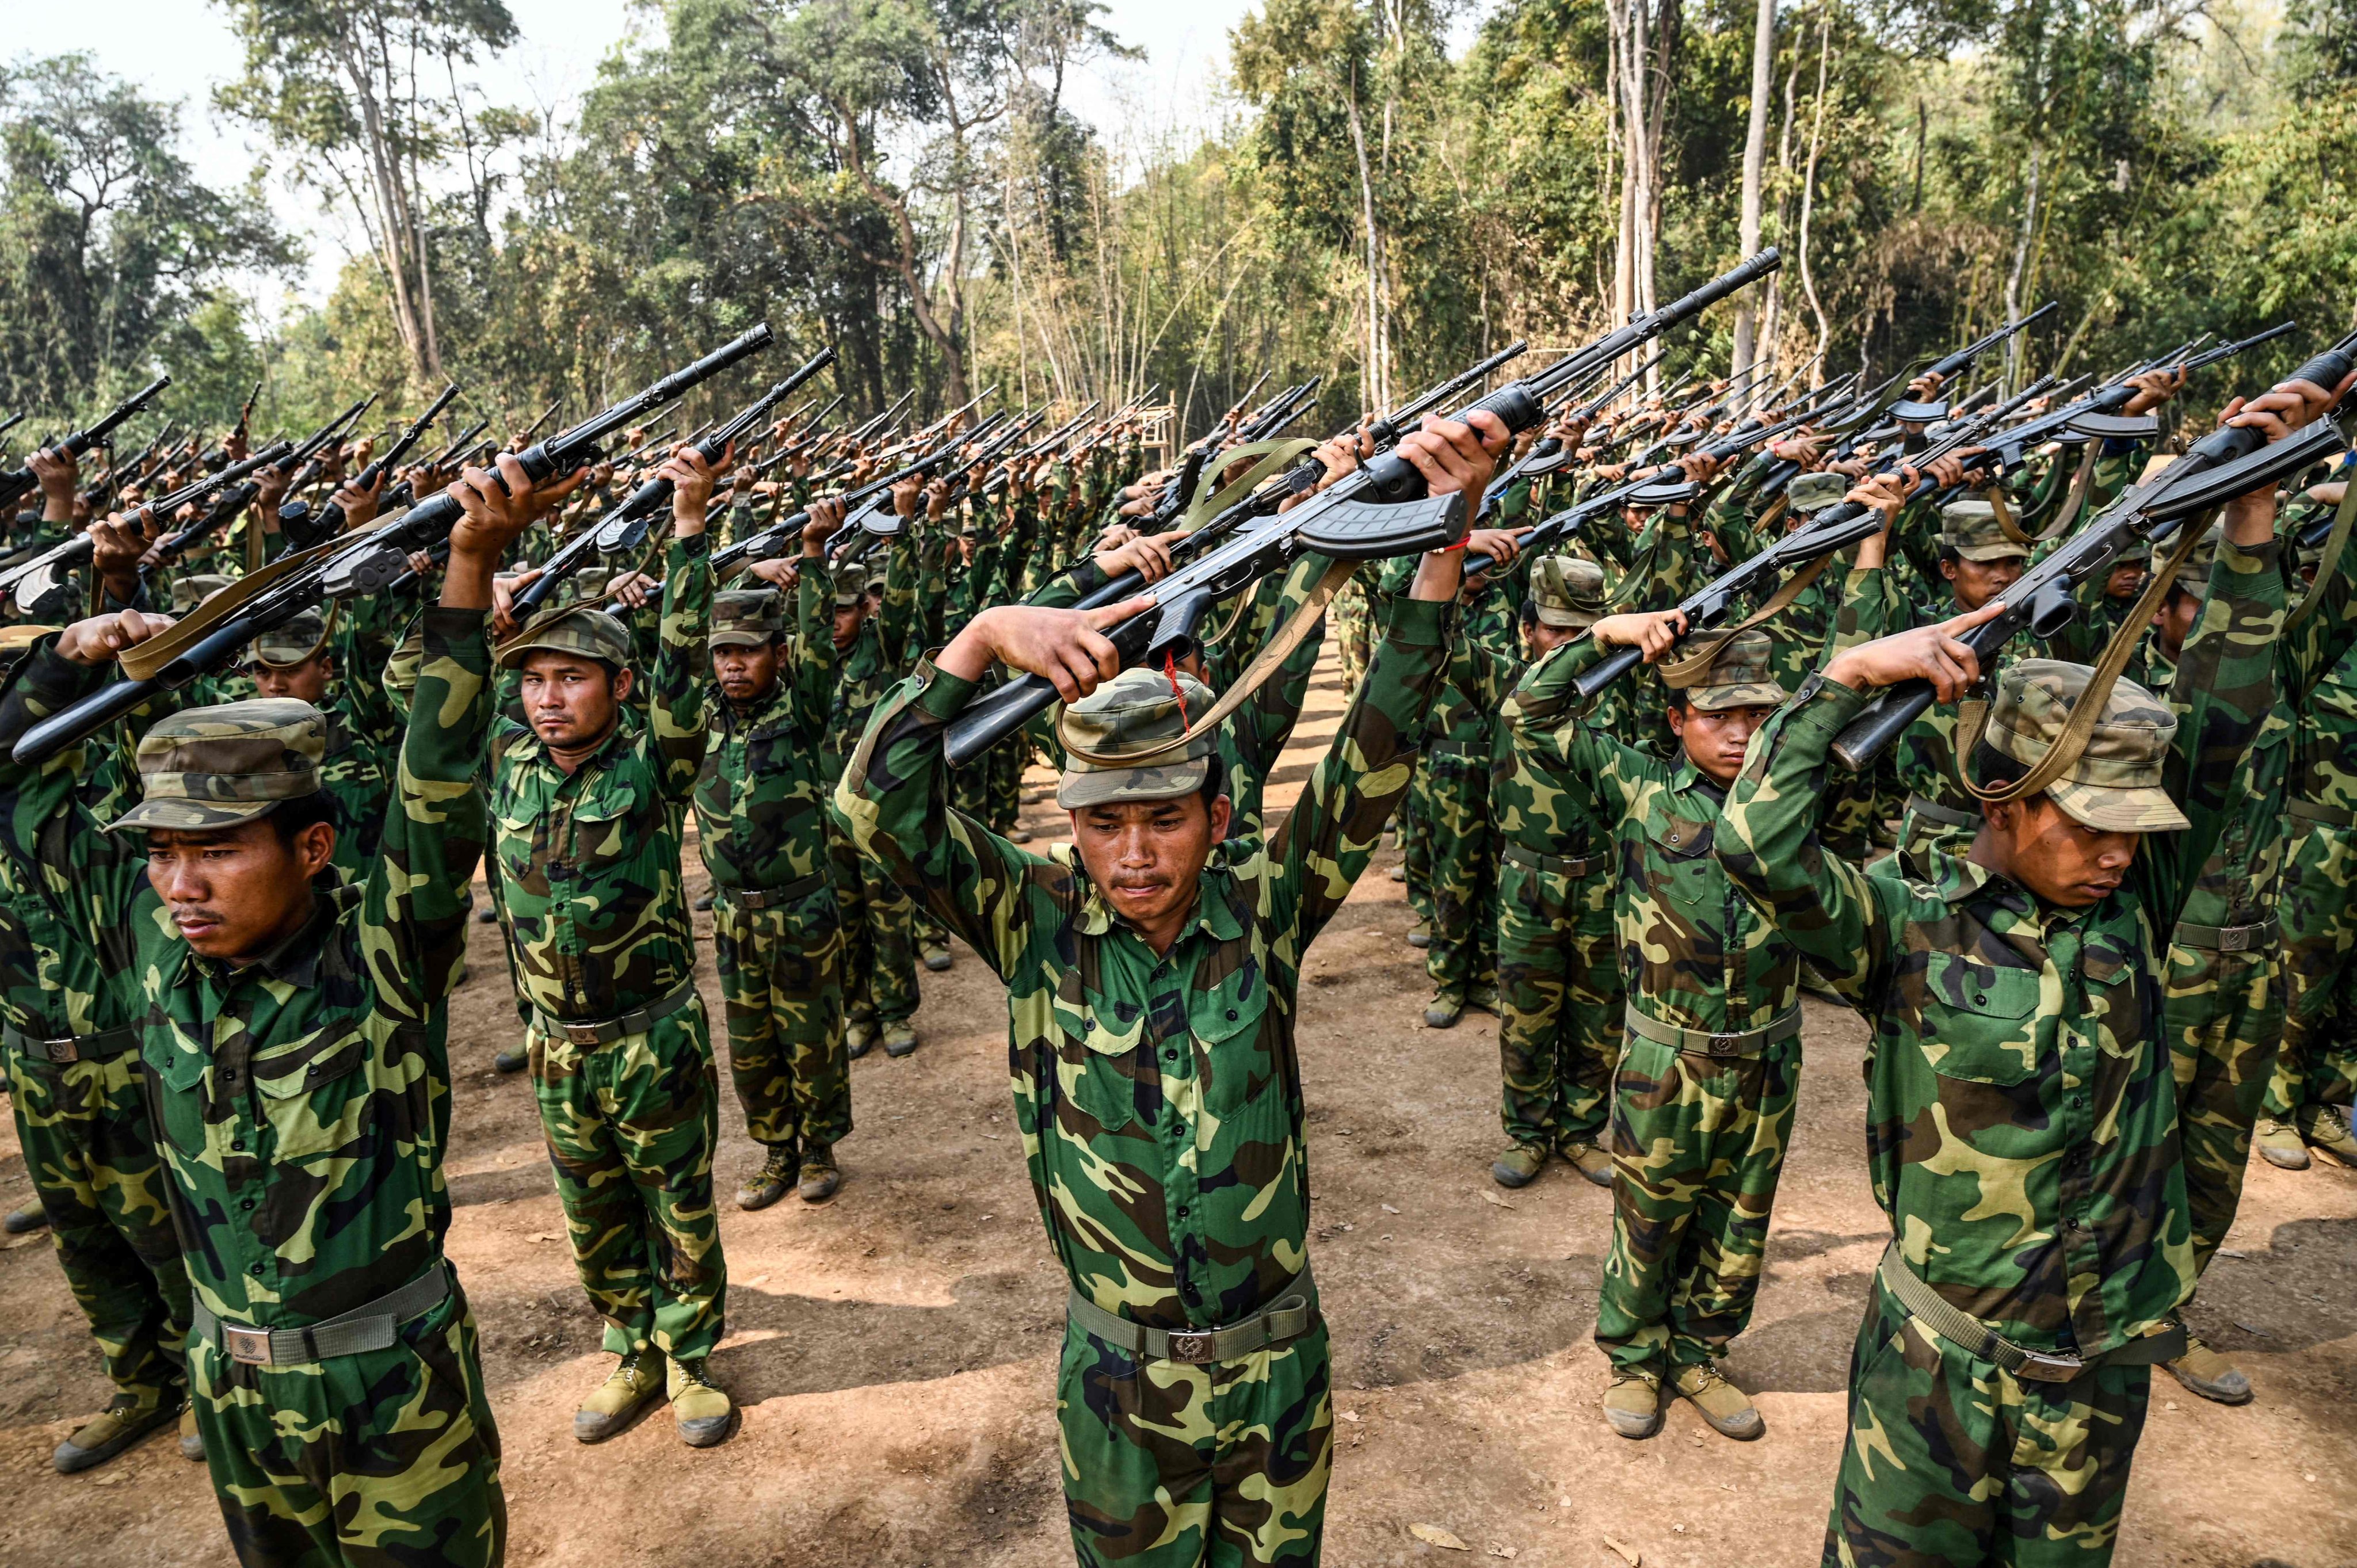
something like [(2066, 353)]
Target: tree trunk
[(1772, 313), (1755, 156), (1376, 383), (2017, 277), (1809, 183)]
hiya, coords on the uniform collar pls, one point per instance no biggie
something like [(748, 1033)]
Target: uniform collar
[(1687, 778), (1215, 913), (530, 748), (296, 959)]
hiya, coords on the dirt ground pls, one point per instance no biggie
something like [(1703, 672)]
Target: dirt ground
[(895, 1350)]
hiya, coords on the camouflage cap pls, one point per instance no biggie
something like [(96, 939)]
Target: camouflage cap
[(2193, 572), (195, 588), (2115, 785), (1137, 713), (1815, 492), (2137, 551), (747, 617), (1970, 528), (16, 641), (215, 768), (293, 643), (1741, 675), (575, 629), (850, 579), (589, 584), (1567, 590)]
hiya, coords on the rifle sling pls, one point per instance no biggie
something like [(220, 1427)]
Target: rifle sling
[(141, 660), (2334, 542), (2081, 483), (1684, 672), (1995, 495), (1268, 457), (2072, 743), (1256, 674)]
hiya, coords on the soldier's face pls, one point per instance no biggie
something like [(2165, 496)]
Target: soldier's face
[(1714, 741), (570, 701), (236, 892), (746, 674), (2041, 847), (306, 680), (2126, 581), (2175, 621), (1146, 855), (1978, 582), (847, 623)]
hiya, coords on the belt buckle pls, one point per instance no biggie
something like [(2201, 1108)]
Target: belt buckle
[(1726, 1046), (581, 1034), (251, 1346), (2038, 1367), (1194, 1348), (60, 1049), (2235, 938)]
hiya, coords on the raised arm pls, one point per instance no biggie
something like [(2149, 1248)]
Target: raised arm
[(681, 690)]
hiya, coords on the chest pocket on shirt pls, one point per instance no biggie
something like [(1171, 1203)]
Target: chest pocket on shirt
[(1234, 1073), (612, 824), (1979, 1021), (2115, 999), (1680, 869), (312, 1095), (1098, 1060)]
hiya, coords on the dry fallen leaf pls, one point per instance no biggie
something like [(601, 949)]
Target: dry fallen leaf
[(545, 1236), (1351, 1415), (1508, 1552), (1433, 1535), (25, 1240), (1493, 1197), (1389, 1210), (1629, 1555)]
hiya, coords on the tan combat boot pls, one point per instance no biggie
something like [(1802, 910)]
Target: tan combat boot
[(706, 1416), (2326, 1127), (1420, 934), (1590, 1162), (2280, 1144), (1632, 1405), (634, 1385), (772, 1180), (899, 1039), (2209, 1374), (32, 1217), (1443, 1012), (1482, 998), (112, 1429), (936, 956), (1728, 1408), (858, 1035), (1520, 1166), (820, 1175)]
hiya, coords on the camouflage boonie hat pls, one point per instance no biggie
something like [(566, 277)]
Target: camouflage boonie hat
[(2115, 785), (1816, 491), (16, 641), (850, 579), (293, 643), (577, 628), (1970, 528), (1742, 675), (194, 589), (2134, 553), (1567, 590), (215, 768), (746, 617), (1138, 713), (2193, 572)]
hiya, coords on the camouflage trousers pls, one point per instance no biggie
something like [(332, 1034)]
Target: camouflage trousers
[(378, 1460), (1172, 1465), (2318, 1064), (1559, 989), (1462, 853), (1698, 1144), (1950, 1459), (781, 988), (1416, 840), (630, 1127), (2225, 1016), (879, 930), (90, 1150), (1355, 632)]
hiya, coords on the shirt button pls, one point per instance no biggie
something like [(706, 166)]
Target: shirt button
[(1182, 1212), (1232, 1015), (1170, 1055), (247, 1205), (255, 1271)]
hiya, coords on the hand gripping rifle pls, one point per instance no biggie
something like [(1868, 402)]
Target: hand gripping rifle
[(625, 526), (882, 520), (306, 528), (770, 540), (2098, 412), (15, 486), (362, 564), (2223, 464), (1381, 508), (1054, 439), (1836, 528), (1548, 454), (878, 519)]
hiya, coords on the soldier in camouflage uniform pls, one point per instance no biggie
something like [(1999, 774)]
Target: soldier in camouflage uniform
[(588, 803), (761, 829), (2021, 1130), (1710, 1060), (295, 660), (1152, 982), (294, 1057)]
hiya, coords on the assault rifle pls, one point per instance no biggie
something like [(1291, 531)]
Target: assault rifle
[(2220, 467), (15, 486), (363, 564), (1048, 444), (32, 581), (761, 546), (303, 530), (1381, 508), (883, 521), (2097, 415), (624, 527)]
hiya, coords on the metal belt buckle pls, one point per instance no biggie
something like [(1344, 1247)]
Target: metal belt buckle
[(1193, 1348), (2037, 1366), (1726, 1045), (581, 1034), (251, 1346), (2235, 938), (60, 1049)]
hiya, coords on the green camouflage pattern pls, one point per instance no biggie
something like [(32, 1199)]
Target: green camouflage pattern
[(1139, 713), (2317, 1063), (1461, 855), (781, 992), (217, 767), (759, 795), (1560, 999), (359, 786)]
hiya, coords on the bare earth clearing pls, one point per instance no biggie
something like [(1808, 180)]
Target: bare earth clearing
[(895, 1350)]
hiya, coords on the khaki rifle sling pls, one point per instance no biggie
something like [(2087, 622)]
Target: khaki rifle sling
[(2327, 564), (1995, 495), (1256, 674), (2081, 483), (1680, 673), (141, 660), (1267, 458), (2072, 743)]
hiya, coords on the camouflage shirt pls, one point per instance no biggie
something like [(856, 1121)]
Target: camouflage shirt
[(759, 820), (2021, 1129), (589, 861), (1159, 1098), (302, 1102)]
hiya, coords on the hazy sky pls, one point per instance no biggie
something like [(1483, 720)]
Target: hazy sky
[(182, 49)]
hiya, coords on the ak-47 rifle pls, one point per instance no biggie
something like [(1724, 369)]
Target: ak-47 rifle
[(2097, 415), (884, 523), (2223, 464), (11, 422), (1547, 453), (306, 528), (1836, 528), (1949, 367), (362, 564), (32, 581), (1179, 492), (1041, 447), (15, 486), (1378, 509), (293, 462), (449, 454), (624, 527)]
